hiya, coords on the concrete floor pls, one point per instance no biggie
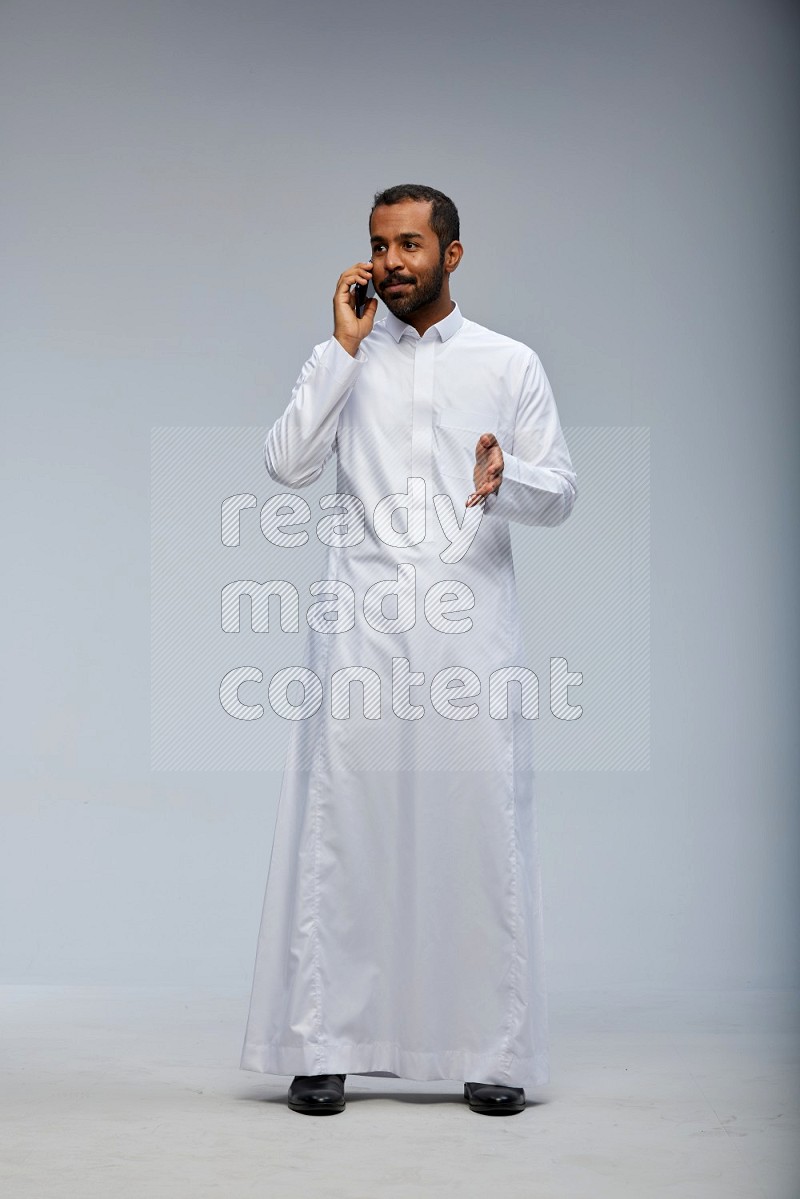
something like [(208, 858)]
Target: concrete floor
[(119, 1093)]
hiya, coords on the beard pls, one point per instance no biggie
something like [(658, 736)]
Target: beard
[(424, 290)]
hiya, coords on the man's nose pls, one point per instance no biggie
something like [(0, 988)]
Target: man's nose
[(393, 261)]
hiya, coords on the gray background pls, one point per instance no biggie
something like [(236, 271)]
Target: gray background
[(183, 185)]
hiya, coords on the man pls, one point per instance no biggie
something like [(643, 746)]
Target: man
[(401, 933)]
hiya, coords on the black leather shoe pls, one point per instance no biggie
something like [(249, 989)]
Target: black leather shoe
[(317, 1094), (492, 1100)]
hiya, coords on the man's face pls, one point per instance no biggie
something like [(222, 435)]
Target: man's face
[(405, 251)]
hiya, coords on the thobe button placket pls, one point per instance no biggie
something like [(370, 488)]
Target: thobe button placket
[(422, 424)]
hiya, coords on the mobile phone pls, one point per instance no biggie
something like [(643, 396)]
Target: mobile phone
[(362, 292)]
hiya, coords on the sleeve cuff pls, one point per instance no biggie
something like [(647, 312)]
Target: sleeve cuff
[(336, 360), (529, 494)]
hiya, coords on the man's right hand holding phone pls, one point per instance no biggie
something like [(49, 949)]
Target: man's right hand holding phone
[(348, 328)]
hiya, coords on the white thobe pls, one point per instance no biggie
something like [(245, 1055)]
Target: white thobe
[(402, 924)]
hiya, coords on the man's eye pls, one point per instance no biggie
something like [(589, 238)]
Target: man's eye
[(411, 243)]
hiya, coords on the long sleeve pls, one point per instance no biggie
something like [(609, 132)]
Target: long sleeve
[(302, 440), (539, 485)]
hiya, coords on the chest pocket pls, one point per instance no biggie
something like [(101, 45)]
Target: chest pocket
[(455, 434)]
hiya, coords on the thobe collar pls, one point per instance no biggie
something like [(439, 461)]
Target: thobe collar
[(446, 327)]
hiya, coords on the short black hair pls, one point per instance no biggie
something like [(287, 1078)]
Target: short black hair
[(444, 214)]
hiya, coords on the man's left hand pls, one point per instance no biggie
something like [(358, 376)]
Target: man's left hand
[(488, 472)]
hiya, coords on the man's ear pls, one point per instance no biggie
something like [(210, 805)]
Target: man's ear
[(453, 255)]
